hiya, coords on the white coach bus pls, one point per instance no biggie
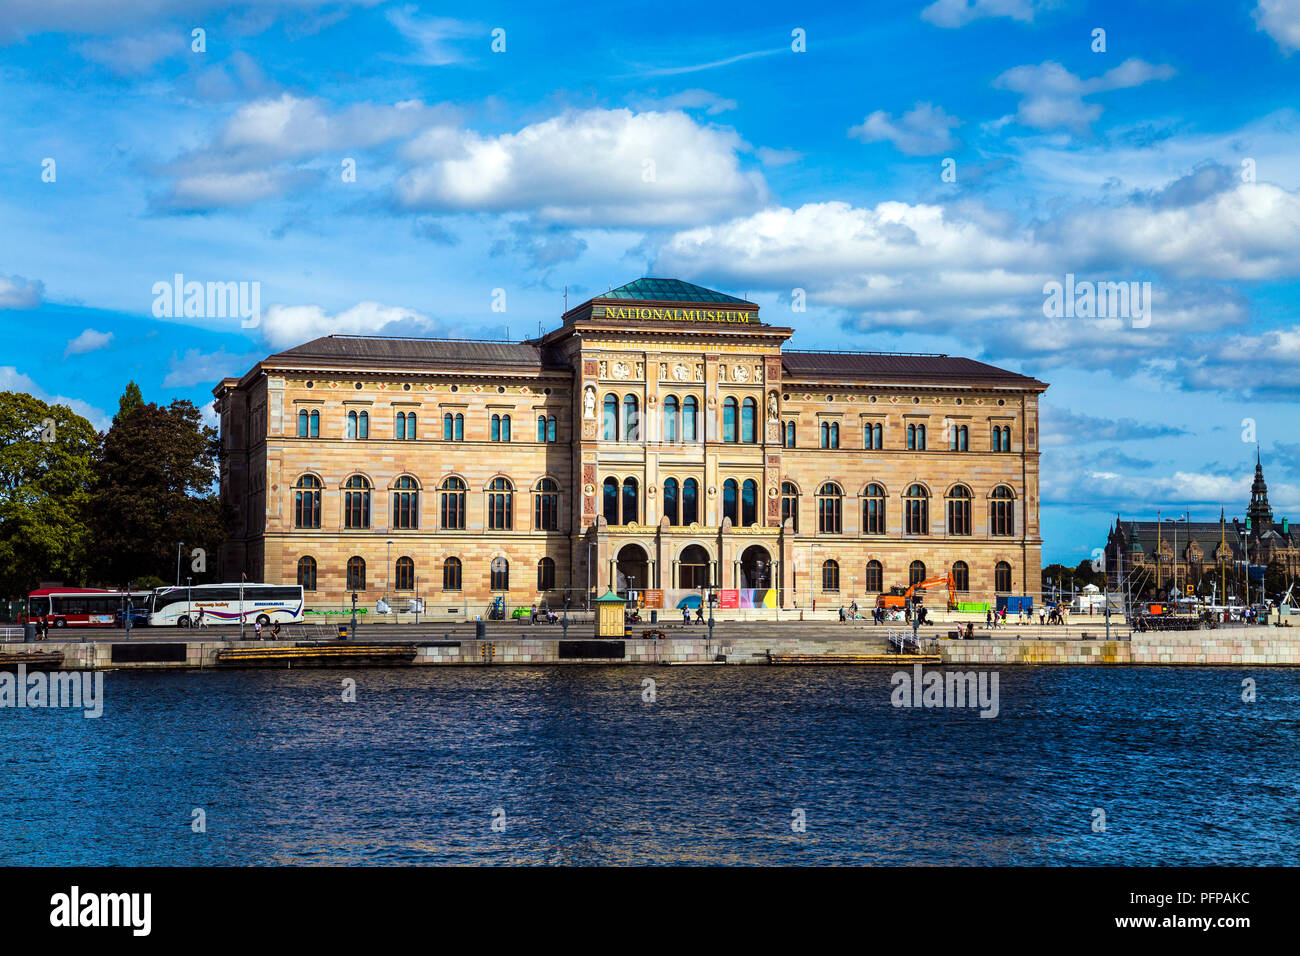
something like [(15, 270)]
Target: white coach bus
[(211, 604)]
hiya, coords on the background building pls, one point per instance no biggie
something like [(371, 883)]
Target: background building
[(1210, 557), (661, 438)]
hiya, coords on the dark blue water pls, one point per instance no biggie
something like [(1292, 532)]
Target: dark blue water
[(588, 773)]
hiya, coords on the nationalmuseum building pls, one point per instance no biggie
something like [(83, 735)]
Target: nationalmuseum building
[(661, 439)]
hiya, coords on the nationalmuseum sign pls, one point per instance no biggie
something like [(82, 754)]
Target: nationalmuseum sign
[(660, 314)]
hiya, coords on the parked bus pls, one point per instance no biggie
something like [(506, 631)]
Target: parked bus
[(220, 604), (84, 607)]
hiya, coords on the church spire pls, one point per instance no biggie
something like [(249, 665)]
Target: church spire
[(1259, 512)]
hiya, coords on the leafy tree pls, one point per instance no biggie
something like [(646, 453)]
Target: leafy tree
[(131, 400), (46, 474), (155, 488)]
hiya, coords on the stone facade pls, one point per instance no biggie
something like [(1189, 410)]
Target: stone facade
[(602, 403)]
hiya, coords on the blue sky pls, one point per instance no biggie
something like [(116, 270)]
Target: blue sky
[(693, 140)]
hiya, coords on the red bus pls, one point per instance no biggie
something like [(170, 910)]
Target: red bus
[(83, 607)]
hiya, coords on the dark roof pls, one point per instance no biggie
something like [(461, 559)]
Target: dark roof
[(897, 366), (1144, 534), (669, 290), (415, 352)]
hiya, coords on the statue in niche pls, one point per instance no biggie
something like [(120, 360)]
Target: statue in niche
[(589, 403)]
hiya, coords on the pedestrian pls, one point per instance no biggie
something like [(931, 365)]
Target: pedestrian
[(202, 623), (699, 613), (988, 618), (1041, 617), (532, 615), (841, 613), (686, 615)]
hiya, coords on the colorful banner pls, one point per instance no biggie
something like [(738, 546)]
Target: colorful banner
[(757, 598), (728, 599)]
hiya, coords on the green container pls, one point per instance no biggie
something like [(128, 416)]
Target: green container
[(973, 607)]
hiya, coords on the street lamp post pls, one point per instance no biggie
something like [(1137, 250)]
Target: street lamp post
[(180, 546), (388, 571), (352, 631)]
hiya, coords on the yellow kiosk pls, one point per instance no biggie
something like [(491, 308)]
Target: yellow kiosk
[(609, 615)]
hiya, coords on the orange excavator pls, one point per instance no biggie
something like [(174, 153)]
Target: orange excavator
[(899, 597)]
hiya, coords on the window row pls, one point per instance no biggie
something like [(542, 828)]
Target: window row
[(404, 577), (873, 436), (916, 509), (405, 497), (406, 426), (622, 421), (874, 579)]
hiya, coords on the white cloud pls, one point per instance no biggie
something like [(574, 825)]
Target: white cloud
[(710, 103), (430, 36), (592, 167), (12, 380), (777, 157), (1052, 96), (958, 13), (284, 326), (22, 18), (200, 368), (88, 341), (922, 131), (127, 55), (1280, 19), (19, 293)]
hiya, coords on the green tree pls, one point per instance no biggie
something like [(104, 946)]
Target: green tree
[(46, 474), (155, 487), (131, 400)]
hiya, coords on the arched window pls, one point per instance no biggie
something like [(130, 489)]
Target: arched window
[(307, 573), (749, 421), (404, 427), (729, 409), (546, 575), (356, 580), (875, 576), (916, 572), (631, 420), (501, 505), (690, 418), (916, 510), (1001, 437), (959, 510), (302, 423), (611, 417), (453, 427), (672, 419), (830, 576), (406, 503), (830, 508), (451, 574), (790, 503), (500, 427), (690, 501), (873, 509), (356, 503), (631, 500), (546, 428), (830, 434), (916, 438), (730, 495), (358, 424), (499, 575), (672, 501), (541, 428), (787, 435), (546, 505), (1002, 511), (749, 503), (404, 579), (609, 500), (552, 430), (873, 434), (453, 505), (959, 438), (960, 576), (1002, 577), (306, 502)]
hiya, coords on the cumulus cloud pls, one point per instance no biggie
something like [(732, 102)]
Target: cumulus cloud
[(19, 293), (1061, 426), (1081, 483), (88, 341), (922, 131), (958, 13), (710, 103), (284, 326), (1052, 96), (542, 248), (205, 368), (12, 380), (591, 167), (1280, 19)]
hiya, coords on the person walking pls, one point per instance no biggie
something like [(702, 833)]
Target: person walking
[(202, 622), (841, 613), (532, 615)]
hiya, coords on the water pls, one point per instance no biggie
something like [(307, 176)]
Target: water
[(588, 773)]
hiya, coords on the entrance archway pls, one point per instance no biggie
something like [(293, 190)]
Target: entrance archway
[(756, 568), (693, 568), (633, 568)]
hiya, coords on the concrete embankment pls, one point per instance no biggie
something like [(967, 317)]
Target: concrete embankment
[(1031, 646)]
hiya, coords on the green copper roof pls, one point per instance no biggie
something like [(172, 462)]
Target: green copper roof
[(609, 597), (669, 290)]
